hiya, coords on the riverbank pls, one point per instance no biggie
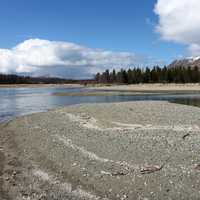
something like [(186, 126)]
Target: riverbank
[(136, 150), (137, 89), (112, 87), (98, 93), (149, 87), (38, 85)]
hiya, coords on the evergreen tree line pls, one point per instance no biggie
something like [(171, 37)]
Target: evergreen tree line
[(147, 75), (15, 79)]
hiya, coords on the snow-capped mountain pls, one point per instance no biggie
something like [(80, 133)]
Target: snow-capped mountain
[(186, 62)]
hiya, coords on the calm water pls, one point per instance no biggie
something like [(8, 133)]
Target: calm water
[(22, 101)]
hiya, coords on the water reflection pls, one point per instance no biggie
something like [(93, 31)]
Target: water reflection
[(188, 101)]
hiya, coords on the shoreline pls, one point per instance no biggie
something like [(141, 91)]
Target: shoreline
[(149, 87), (125, 93), (105, 87), (38, 85), (102, 151)]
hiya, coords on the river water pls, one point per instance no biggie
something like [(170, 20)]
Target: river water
[(21, 101)]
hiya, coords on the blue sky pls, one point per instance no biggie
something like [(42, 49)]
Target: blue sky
[(108, 24), (118, 26)]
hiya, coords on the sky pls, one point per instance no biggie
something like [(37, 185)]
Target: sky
[(78, 38)]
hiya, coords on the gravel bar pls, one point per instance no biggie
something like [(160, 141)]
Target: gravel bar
[(135, 150)]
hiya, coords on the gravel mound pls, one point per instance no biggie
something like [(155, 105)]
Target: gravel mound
[(136, 150)]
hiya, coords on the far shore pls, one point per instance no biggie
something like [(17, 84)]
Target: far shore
[(38, 85), (158, 87), (114, 87)]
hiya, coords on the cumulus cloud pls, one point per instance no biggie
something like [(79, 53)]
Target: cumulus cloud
[(179, 21), (44, 57)]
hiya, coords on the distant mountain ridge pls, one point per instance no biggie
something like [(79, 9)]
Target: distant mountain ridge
[(17, 79), (186, 62)]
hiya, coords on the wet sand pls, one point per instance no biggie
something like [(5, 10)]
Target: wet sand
[(135, 150)]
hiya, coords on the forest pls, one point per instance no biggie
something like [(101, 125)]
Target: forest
[(15, 79), (123, 76), (150, 75)]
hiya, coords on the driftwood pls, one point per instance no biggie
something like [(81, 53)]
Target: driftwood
[(186, 135), (197, 167), (152, 168)]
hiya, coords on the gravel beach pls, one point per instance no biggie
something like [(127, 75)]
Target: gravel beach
[(155, 88), (136, 150)]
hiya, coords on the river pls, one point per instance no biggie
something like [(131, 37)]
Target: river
[(21, 101)]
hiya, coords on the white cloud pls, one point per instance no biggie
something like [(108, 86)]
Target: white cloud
[(179, 21), (44, 57)]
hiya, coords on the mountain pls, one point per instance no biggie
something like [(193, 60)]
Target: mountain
[(186, 62)]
